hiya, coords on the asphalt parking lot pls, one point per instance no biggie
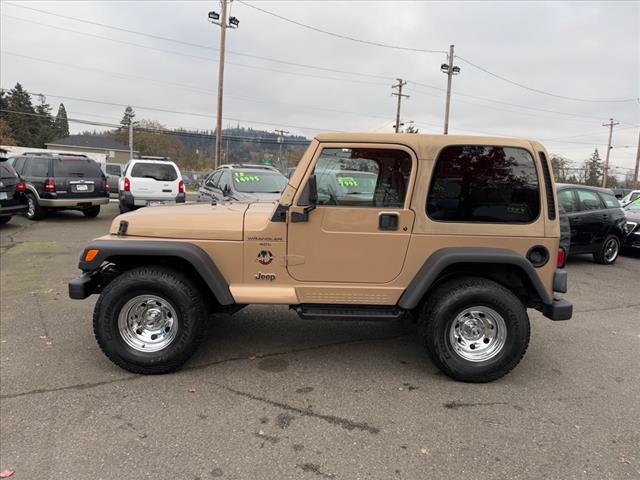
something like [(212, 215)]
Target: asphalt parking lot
[(275, 397)]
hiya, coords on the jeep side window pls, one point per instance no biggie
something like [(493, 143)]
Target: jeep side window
[(362, 177), (588, 200), (484, 184), (568, 201)]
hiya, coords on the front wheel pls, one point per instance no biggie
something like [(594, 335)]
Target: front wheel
[(474, 329), (609, 251), (149, 320)]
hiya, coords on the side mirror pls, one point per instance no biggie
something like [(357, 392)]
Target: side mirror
[(313, 190)]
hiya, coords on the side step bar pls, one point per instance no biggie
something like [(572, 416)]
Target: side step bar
[(349, 312)]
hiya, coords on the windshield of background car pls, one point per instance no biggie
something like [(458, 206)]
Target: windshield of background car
[(76, 167), (635, 206), (163, 172), (258, 181)]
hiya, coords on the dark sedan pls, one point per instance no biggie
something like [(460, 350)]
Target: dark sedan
[(12, 198), (597, 222), (632, 229)]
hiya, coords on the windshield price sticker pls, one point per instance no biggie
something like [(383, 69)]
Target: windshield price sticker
[(347, 182), (241, 177)]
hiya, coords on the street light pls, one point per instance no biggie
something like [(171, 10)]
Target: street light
[(223, 21)]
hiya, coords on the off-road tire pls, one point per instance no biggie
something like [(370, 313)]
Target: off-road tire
[(602, 257), (91, 212), (172, 286), (4, 220), (443, 306), (38, 211)]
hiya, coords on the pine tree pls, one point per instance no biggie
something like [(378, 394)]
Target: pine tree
[(61, 123), (45, 123), (593, 170), (21, 119), (127, 118)]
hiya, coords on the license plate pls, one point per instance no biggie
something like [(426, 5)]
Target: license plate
[(3, 195), (82, 188)]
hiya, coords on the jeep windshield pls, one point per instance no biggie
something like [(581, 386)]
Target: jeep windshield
[(162, 172), (258, 181), (76, 167)]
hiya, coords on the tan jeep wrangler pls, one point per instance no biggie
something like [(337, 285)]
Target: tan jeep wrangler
[(460, 233)]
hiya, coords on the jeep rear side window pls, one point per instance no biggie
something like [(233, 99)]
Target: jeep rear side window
[(484, 184), (363, 177)]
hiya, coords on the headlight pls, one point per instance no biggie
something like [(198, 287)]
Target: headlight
[(630, 227)]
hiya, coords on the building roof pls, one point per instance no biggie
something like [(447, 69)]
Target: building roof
[(101, 142)]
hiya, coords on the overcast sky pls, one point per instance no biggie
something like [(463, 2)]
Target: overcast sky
[(581, 50)]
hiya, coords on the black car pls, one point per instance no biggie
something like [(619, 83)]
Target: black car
[(12, 198), (242, 183), (597, 222), (61, 182), (632, 228)]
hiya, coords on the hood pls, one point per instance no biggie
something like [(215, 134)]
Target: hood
[(247, 197), (193, 221)]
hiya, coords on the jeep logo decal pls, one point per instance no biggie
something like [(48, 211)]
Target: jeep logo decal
[(265, 257), (270, 277)]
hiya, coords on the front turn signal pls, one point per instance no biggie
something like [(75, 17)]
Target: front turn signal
[(91, 255)]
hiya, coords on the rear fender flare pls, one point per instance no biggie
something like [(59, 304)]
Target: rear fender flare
[(443, 258)]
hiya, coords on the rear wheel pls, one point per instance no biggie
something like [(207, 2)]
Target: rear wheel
[(91, 212), (609, 251), (124, 208), (149, 320), (474, 329), (34, 210)]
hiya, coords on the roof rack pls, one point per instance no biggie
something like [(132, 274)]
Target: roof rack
[(53, 154), (249, 165)]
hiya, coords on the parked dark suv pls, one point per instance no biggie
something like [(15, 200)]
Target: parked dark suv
[(61, 182), (596, 219), (242, 183), (12, 188)]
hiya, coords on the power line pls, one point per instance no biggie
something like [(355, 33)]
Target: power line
[(274, 140), (542, 92), (164, 110), (339, 35), (207, 47)]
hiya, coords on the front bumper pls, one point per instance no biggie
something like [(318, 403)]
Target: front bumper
[(84, 285), (560, 309)]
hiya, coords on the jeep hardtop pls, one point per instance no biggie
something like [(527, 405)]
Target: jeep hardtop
[(459, 233)]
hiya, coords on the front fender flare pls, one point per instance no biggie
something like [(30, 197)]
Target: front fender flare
[(188, 252)]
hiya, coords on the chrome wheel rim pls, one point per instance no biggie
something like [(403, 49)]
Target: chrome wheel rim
[(31, 206), (611, 250), (478, 334), (147, 323)]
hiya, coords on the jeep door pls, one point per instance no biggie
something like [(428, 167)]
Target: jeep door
[(363, 235)]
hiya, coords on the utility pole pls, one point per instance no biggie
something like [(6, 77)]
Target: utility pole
[(611, 124), (450, 70), (637, 180), (281, 134), (399, 86), (223, 23)]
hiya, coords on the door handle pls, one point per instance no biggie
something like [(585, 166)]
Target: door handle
[(388, 221)]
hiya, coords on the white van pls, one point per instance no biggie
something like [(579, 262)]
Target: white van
[(148, 182)]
